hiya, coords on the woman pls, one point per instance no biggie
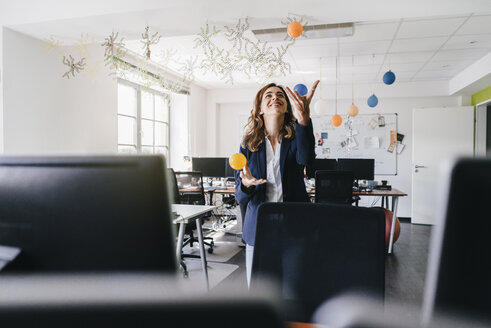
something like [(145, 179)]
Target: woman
[(278, 143)]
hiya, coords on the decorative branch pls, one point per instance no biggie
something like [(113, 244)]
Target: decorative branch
[(113, 49), (75, 67), (148, 40)]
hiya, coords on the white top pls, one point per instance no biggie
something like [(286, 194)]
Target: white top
[(274, 188)]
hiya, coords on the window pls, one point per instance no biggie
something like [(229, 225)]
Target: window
[(143, 119)]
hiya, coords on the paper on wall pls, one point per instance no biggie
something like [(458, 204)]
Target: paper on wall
[(400, 147), (372, 142)]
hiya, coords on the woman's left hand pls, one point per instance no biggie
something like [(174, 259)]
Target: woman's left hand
[(302, 104)]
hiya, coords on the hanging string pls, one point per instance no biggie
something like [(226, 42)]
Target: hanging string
[(352, 79), (320, 75), (373, 81), (336, 96)]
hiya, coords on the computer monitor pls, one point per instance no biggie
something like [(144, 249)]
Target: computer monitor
[(229, 171), (362, 168), (86, 214), (321, 164), (210, 166)]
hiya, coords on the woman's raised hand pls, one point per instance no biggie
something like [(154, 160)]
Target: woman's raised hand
[(248, 180), (302, 103)]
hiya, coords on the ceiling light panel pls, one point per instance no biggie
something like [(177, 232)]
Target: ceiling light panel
[(476, 25), (429, 28)]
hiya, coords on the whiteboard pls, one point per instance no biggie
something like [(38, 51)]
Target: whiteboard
[(362, 136)]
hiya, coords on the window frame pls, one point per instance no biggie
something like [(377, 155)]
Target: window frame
[(139, 146)]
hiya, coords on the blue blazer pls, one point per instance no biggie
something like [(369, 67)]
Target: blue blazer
[(295, 154)]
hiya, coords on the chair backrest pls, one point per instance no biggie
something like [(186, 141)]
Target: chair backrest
[(190, 184), (334, 187), (458, 276), (130, 301), (315, 251), (176, 197), (86, 214)]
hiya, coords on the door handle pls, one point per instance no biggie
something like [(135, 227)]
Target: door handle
[(419, 166)]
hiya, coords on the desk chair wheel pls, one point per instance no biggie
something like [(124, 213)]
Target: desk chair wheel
[(210, 250)]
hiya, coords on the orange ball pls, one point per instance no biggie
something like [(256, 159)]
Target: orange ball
[(295, 29), (352, 110), (237, 161), (336, 120)]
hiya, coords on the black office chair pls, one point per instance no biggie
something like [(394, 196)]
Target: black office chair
[(194, 195), (458, 276), (190, 180), (315, 251), (358, 311), (128, 301), (334, 187)]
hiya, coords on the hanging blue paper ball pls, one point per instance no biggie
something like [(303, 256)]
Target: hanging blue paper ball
[(301, 89), (372, 101), (389, 77)]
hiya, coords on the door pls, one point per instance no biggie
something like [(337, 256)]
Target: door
[(439, 134), (483, 125)]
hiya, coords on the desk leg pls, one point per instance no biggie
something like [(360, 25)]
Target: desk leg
[(211, 197), (180, 240), (395, 200), (202, 252)]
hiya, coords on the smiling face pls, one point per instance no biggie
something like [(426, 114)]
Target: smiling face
[(273, 102)]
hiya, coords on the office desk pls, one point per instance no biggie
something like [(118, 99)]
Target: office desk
[(185, 214), (385, 194), (211, 191)]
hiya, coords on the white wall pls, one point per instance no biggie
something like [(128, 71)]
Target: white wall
[(198, 121), (179, 136), (47, 114), (227, 105)]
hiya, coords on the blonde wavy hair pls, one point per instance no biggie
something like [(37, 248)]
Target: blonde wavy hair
[(255, 131)]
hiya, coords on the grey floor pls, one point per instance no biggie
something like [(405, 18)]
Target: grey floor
[(405, 268)]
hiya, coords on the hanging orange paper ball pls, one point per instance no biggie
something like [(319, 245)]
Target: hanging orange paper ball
[(295, 29), (352, 110), (237, 161), (336, 120)]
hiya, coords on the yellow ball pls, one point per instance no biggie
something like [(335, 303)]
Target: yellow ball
[(295, 29), (336, 120), (352, 110), (237, 161)]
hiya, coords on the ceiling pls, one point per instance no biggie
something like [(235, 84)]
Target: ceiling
[(416, 48)]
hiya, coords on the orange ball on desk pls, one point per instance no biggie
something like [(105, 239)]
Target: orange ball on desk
[(237, 161)]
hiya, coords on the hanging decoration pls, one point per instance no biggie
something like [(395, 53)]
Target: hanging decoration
[(389, 77), (114, 49), (82, 44), (352, 109), (372, 101), (295, 29), (253, 58), (52, 44), (148, 40), (74, 67), (336, 120), (294, 26)]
